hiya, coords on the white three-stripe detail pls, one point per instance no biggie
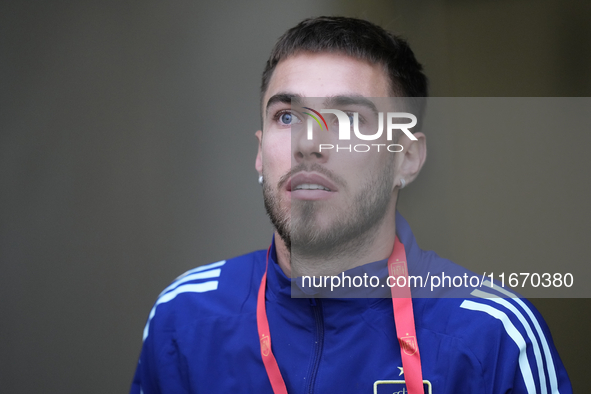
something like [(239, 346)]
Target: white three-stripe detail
[(199, 275), (177, 287), (547, 353), (528, 330), (514, 334)]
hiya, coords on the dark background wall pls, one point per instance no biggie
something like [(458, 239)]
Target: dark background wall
[(127, 150)]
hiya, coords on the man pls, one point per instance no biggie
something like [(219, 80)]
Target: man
[(234, 327)]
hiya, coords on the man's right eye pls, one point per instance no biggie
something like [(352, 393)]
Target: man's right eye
[(287, 118)]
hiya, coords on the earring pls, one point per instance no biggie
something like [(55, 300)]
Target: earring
[(402, 183), (260, 179)]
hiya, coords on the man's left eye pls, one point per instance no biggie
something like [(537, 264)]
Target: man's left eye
[(351, 117)]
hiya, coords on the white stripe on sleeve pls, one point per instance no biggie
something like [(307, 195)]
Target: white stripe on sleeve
[(190, 288), (547, 353), (528, 330), (513, 333)]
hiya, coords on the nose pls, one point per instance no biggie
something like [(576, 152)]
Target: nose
[(307, 143)]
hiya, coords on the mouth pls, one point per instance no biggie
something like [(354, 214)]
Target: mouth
[(310, 186)]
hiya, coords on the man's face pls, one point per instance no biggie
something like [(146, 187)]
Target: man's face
[(321, 200)]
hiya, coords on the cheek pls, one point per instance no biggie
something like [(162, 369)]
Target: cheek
[(363, 166), (277, 154)]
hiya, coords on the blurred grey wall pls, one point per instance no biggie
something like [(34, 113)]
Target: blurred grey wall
[(127, 149)]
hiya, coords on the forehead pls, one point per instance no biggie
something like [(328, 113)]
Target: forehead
[(326, 75)]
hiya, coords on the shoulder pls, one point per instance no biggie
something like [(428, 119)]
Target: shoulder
[(197, 304), (210, 290), (505, 333)]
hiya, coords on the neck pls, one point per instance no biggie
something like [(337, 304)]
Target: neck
[(377, 246)]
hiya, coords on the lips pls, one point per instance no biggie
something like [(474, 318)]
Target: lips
[(310, 186)]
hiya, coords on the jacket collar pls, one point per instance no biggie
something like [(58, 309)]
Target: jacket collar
[(282, 287)]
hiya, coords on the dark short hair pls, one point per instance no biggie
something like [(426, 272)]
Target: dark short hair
[(356, 38)]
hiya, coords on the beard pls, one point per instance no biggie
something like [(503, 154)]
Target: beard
[(350, 226)]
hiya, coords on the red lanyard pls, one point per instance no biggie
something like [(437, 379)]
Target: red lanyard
[(403, 319)]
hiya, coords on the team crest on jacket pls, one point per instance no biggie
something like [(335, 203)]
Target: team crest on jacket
[(397, 387), (397, 269), (265, 345), (409, 345)]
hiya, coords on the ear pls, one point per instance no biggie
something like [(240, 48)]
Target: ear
[(413, 158), (258, 164)]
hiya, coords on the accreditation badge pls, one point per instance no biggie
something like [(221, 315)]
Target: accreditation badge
[(397, 387)]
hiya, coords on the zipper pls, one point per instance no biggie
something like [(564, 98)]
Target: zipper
[(316, 306)]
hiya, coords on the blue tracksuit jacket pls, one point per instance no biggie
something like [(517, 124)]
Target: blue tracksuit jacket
[(201, 337)]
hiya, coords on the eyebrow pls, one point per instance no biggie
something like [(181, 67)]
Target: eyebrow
[(334, 101), (284, 98), (340, 101)]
